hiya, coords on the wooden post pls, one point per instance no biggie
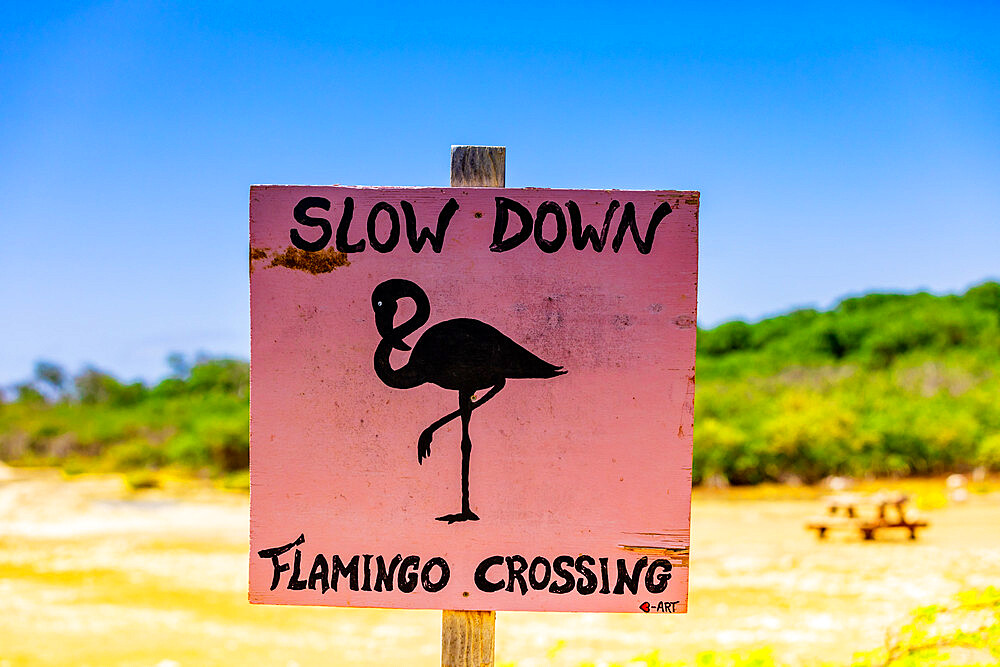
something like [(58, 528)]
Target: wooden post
[(467, 637), (478, 166)]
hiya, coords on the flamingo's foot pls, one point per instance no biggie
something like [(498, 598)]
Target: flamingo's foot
[(467, 515), (424, 446)]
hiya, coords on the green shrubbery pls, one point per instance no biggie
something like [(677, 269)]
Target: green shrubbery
[(196, 420), (966, 632), (884, 384)]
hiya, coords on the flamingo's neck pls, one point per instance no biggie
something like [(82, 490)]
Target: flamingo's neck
[(405, 377)]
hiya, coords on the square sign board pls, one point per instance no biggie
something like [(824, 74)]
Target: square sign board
[(472, 398)]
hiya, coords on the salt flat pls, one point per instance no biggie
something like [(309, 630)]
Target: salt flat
[(92, 573)]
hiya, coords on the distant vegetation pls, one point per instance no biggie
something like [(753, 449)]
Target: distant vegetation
[(884, 384), (195, 420)]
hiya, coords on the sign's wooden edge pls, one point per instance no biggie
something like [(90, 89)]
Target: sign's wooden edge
[(439, 188), (676, 607)]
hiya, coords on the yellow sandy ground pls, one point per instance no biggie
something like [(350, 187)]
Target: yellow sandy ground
[(92, 574)]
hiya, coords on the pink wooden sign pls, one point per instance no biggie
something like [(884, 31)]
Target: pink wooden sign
[(472, 398)]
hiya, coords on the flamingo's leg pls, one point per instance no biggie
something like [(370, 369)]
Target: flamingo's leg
[(465, 405), (424, 441), (465, 408)]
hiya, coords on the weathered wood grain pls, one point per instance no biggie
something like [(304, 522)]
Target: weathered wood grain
[(478, 166), (467, 638)]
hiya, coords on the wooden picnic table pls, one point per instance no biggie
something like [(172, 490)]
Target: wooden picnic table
[(867, 513)]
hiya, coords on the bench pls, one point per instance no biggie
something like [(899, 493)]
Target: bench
[(867, 514)]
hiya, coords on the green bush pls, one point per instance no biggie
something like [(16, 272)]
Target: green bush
[(134, 453), (884, 384), (988, 454), (197, 421), (937, 634)]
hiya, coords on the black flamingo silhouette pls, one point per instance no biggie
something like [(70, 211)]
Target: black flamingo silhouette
[(461, 354)]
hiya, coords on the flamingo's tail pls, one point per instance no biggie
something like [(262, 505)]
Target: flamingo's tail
[(553, 371)]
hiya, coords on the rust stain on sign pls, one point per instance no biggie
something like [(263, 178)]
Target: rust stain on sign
[(323, 261), (255, 254), (684, 321)]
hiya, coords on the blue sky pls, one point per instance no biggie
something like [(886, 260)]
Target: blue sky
[(839, 148)]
